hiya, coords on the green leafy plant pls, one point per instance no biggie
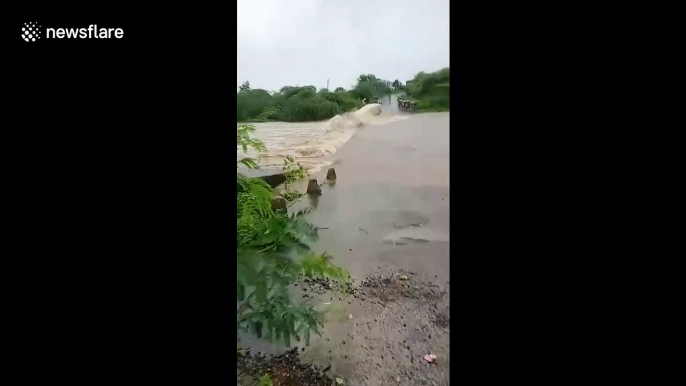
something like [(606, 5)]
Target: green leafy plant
[(274, 252), (293, 171), (292, 196), (266, 380), (244, 141)]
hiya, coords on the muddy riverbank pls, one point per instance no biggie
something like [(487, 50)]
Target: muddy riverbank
[(386, 220)]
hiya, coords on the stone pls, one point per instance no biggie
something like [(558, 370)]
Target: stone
[(331, 174), (313, 187), (279, 204)]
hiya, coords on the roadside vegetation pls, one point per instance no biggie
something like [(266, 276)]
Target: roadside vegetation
[(306, 103), (431, 91), (273, 253)]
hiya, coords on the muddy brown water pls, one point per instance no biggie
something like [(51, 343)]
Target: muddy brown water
[(387, 213)]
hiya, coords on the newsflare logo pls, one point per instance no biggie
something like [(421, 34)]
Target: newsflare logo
[(31, 32)]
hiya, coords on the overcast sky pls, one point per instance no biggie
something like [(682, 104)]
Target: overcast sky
[(304, 42)]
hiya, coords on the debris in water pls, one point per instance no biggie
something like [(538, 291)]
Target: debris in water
[(363, 230), (327, 303), (340, 381), (431, 358), (419, 240), (350, 316), (403, 277)]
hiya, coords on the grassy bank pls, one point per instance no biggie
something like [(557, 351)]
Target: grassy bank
[(430, 90), (305, 103)]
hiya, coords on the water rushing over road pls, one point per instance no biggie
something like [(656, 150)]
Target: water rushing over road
[(312, 143)]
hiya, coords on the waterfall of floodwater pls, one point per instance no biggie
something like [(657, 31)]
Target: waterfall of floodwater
[(309, 143)]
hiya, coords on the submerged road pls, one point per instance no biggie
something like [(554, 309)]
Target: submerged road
[(387, 211), (393, 182), (387, 217)]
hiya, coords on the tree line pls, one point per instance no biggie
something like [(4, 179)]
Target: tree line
[(306, 103)]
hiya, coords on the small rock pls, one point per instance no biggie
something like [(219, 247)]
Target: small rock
[(279, 204), (350, 316), (331, 174), (313, 187), (402, 277)]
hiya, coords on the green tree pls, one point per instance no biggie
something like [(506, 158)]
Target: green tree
[(245, 86)]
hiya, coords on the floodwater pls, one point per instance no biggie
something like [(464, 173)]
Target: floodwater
[(388, 210), (310, 143), (389, 177)]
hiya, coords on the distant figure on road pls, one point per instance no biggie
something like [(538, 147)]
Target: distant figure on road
[(364, 101)]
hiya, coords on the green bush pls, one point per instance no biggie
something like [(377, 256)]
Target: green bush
[(431, 90), (344, 99), (270, 114), (308, 106), (293, 171)]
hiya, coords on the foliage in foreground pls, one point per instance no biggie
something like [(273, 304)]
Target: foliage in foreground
[(431, 90), (244, 142), (274, 252), (266, 380), (293, 171)]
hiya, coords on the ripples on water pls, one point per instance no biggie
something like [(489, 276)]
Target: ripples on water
[(311, 142)]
